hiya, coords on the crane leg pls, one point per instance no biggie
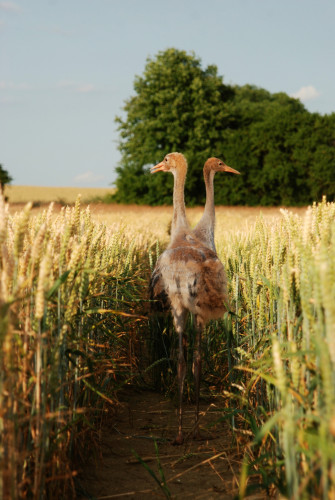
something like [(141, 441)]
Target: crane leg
[(197, 372), (182, 355)]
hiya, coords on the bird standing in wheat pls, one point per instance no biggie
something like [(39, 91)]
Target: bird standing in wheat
[(190, 278)]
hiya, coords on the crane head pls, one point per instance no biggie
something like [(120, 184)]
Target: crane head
[(171, 163), (217, 165)]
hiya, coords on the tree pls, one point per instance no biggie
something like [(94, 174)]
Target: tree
[(5, 178), (320, 148), (286, 155), (177, 106)]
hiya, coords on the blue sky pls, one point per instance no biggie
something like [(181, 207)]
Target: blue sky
[(67, 66)]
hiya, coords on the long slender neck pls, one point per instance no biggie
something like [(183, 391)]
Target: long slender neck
[(204, 230), (207, 221), (179, 215), (209, 211)]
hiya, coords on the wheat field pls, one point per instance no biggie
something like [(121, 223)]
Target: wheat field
[(40, 194), (137, 218), (74, 316)]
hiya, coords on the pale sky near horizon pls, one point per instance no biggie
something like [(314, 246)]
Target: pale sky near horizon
[(67, 67)]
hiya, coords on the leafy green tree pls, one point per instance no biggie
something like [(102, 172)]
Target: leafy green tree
[(177, 106), (286, 155), (320, 151), (262, 149), (5, 178)]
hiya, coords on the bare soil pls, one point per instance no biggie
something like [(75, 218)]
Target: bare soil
[(199, 469)]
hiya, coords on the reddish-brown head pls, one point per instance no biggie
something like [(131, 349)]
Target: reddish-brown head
[(217, 165), (172, 162)]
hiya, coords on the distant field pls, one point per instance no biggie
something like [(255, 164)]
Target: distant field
[(23, 194), (138, 218)]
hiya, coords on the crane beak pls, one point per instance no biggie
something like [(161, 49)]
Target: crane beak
[(159, 167), (229, 169)]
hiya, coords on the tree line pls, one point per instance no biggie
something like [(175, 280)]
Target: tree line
[(286, 154), (5, 178)]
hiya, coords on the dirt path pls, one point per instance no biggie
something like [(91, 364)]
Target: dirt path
[(206, 469)]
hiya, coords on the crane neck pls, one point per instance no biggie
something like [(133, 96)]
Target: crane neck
[(179, 214), (204, 230), (209, 211)]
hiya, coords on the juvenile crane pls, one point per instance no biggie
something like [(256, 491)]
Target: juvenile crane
[(204, 230), (189, 278)]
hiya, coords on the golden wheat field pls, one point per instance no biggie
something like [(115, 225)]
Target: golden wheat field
[(76, 328), (46, 194), (137, 218)]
